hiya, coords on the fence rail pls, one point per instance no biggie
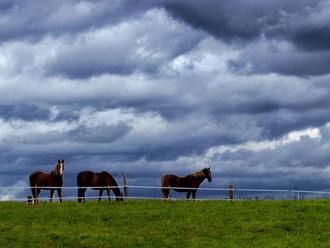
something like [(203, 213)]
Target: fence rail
[(123, 197), (159, 187), (240, 193)]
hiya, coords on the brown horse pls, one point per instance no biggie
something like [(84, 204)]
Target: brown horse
[(188, 184), (97, 181), (48, 181)]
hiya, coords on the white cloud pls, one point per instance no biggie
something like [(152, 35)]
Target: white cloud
[(11, 193), (291, 137), (147, 90)]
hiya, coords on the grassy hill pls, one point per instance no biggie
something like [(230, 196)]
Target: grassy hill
[(143, 223)]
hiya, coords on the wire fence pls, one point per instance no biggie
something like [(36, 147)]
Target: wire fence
[(69, 193)]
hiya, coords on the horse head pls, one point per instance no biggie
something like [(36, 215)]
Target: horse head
[(59, 168), (120, 197), (207, 173)]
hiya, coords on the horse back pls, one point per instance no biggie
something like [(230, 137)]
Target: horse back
[(91, 179), (96, 180), (85, 178), (172, 180), (40, 178)]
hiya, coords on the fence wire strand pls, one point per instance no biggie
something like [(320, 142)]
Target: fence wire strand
[(160, 187), (7, 189)]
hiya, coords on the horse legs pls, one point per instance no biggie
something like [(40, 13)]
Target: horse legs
[(37, 197), (193, 194), (188, 194), (81, 194), (59, 193), (100, 194), (165, 192), (165, 187), (34, 195), (51, 195), (108, 192)]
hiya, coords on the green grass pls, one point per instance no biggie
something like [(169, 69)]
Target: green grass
[(142, 223)]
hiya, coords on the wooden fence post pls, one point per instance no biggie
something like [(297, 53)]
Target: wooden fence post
[(29, 200), (125, 185), (230, 192), (35, 201)]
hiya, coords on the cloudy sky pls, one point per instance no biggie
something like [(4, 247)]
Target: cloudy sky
[(153, 87)]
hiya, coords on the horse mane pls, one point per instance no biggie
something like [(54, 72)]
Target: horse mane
[(115, 189), (111, 177), (199, 173), (54, 172)]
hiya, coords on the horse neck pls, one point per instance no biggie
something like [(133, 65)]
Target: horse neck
[(115, 190), (200, 176), (53, 173)]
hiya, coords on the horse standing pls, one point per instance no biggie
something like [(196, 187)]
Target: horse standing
[(189, 183), (48, 181), (97, 181)]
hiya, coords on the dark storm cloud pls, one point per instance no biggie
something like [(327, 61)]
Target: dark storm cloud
[(283, 122), (303, 24), (234, 20), (140, 45), (24, 112), (299, 164), (6, 5), (34, 19), (309, 30), (267, 56), (313, 38), (214, 17), (246, 20), (150, 87), (119, 142), (101, 134)]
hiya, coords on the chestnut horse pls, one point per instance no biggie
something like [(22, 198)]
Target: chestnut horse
[(48, 181), (97, 181), (188, 184)]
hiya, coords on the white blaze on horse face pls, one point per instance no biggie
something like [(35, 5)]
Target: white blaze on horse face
[(61, 169)]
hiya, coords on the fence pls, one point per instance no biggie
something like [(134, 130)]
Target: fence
[(154, 193)]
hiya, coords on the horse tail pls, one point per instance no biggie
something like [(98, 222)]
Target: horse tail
[(79, 179), (163, 183), (80, 185), (31, 185), (30, 180)]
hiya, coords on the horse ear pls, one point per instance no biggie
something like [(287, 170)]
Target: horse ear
[(58, 161), (62, 160)]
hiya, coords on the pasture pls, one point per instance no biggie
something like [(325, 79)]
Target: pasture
[(148, 223)]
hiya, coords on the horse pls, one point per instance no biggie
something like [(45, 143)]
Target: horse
[(48, 181), (97, 181), (189, 183)]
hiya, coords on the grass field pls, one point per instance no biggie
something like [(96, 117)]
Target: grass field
[(143, 223)]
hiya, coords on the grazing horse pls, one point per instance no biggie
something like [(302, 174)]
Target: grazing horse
[(97, 181), (48, 181), (188, 184)]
